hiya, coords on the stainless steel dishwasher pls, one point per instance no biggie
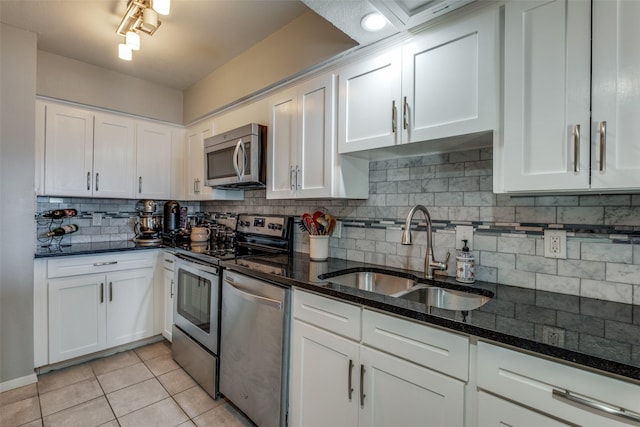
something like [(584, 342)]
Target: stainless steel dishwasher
[(254, 347)]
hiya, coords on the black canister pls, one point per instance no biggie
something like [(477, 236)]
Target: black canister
[(171, 216)]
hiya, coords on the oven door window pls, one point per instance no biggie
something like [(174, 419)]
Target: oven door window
[(220, 162), (194, 299)]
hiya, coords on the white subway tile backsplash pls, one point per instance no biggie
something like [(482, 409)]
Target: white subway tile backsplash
[(580, 215), (536, 264), (621, 215), (483, 242), (606, 290), (584, 269), (607, 252), (624, 273), (553, 283), (521, 279), (538, 215), (517, 244), (498, 260)]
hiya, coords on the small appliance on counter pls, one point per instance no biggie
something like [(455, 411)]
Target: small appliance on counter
[(171, 216), (147, 224)]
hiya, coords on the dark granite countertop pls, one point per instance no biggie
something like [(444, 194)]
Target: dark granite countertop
[(597, 334), (89, 248)]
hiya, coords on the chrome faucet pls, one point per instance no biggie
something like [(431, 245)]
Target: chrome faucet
[(430, 263)]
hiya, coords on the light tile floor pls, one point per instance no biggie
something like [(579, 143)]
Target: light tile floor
[(141, 387)]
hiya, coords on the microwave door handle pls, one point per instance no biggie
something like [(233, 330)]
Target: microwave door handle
[(244, 160), (235, 158)]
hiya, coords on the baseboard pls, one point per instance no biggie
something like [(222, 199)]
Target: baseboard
[(18, 382)]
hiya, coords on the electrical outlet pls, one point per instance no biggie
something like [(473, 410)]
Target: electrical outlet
[(555, 244), (464, 232), (337, 230), (553, 336)]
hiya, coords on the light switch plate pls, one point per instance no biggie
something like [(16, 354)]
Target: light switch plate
[(464, 232)]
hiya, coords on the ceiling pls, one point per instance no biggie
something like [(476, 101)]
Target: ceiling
[(197, 37)]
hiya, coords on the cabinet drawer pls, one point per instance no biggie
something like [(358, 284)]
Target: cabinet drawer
[(532, 380), (167, 260), (90, 264), (421, 344), (326, 313)]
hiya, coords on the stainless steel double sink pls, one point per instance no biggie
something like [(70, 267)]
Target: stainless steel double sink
[(408, 287)]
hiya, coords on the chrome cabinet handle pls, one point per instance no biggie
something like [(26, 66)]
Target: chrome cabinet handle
[(101, 293), (405, 119), (99, 264), (244, 160), (110, 291), (139, 184), (292, 178), (603, 144), (362, 395), (394, 117), (576, 148), (617, 412), (298, 173), (196, 186), (97, 180), (171, 290), (88, 181), (253, 297), (349, 384)]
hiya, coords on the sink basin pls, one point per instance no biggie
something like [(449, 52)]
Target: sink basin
[(448, 299), (381, 283)]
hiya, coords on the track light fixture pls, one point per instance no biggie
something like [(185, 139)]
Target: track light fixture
[(141, 16)]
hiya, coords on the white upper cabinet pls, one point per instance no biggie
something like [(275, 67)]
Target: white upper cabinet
[(153, 161), (113, 156), (91, 153), (68, 158), (546, 103), (450, 79), (370, 92), (615, 128), (441, 83), (302, 159), (560, 118)]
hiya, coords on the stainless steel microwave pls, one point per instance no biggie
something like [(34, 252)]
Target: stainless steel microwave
[(236, 159)]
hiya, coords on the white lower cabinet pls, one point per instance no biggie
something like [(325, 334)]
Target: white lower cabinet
[(549, 390), (339, 380), (167, 319), (91, 303)]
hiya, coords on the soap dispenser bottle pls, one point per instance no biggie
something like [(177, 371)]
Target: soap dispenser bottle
[(465, 265)]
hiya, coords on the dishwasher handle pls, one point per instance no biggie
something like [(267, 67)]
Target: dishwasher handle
[(253, 297)]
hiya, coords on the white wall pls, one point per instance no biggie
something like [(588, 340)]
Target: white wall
[(17, 198), (288, 51), (68, 79)]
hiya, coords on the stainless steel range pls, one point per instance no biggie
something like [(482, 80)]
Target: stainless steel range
[(197, 306)]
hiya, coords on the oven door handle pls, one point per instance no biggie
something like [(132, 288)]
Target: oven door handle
[(214, 268), (253, 297)]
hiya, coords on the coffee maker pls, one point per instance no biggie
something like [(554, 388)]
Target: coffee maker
[(147, 225)]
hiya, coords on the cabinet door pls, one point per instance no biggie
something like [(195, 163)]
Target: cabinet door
[(196, 190), (281, 157), (316, 139), (547, 93), (495, 412), (130, 306), (369, 99), (167, 323), (68, 162), (324, 378), (77, 316), (399, 393), (153, 161), (450, 79), (114, 156), (616, 102)]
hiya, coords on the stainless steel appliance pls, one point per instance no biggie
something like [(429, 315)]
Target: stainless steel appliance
[(237, 159), (147, 224), (196, 315), (171, 216), (254, 347), (196, 337)]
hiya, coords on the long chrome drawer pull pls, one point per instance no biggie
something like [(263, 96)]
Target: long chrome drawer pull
[(603, 144), (362, 395), (349, 384), (97, 181), (101, 293), (576, 148), (88, 181), (565, 395), (99, 264), (405, 117), (110, 291)]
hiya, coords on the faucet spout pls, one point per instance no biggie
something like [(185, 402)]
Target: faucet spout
[(430, 264)]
